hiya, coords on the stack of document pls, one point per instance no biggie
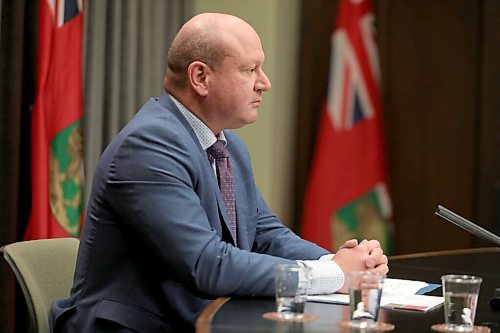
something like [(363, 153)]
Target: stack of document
[(397, 294)]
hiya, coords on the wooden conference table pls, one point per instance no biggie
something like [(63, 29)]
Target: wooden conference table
[(241, 315)]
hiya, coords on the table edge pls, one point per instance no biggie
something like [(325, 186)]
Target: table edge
[(205, 319), (444, 252)]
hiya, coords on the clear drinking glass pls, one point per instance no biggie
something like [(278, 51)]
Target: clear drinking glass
[(365, 292), (292, 285), (461, 293)]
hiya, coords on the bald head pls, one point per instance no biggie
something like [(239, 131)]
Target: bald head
[(215, 70), (206, 37)]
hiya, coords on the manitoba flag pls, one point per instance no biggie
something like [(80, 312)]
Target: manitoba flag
[(347, 195), (56, 133)]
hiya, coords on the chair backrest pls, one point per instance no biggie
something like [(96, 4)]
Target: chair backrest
[(44, 269)]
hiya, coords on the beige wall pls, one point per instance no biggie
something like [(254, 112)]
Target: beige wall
[(268, 140)]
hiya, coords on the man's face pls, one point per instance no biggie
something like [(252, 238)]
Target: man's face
[(236, 86)]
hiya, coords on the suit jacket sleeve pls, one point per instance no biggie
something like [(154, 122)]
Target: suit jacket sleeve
[(160, 183)]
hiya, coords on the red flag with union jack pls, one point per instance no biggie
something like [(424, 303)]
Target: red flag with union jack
[(347, 195), (56, 133)]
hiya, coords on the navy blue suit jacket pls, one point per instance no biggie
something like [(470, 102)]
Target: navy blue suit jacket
[(155, 247)]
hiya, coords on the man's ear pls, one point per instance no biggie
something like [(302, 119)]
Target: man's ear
[(198, 73)]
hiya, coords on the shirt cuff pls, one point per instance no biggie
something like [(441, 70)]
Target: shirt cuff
[(327, 257), (326, 276)]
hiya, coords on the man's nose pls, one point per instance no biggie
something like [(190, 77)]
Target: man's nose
[(263, 82)]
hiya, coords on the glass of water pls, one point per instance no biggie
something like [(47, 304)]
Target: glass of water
[(365, 292), (292, 285), (460, 293)]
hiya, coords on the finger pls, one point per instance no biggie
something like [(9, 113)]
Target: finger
[(370, 262), (376, 252), (373, 244), (374, 258), (383, 260), (349, 244), (382, 269), (366, 245)]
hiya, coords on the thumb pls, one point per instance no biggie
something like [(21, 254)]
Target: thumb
[(349, 244)]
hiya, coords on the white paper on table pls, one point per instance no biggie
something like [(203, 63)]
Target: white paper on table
[(397, 294)]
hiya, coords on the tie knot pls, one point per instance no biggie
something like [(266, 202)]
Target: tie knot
[(217, 150)]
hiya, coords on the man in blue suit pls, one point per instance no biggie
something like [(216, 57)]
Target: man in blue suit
[(157, 244)]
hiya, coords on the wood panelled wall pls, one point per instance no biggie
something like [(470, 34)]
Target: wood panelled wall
[(440, 63)]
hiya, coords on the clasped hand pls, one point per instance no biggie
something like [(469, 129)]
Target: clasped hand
[(365, 256)]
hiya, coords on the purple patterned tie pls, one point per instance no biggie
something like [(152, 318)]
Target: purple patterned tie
[(226, 182)]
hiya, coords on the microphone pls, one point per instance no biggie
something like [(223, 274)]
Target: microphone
[(467, 225), (476, 231)]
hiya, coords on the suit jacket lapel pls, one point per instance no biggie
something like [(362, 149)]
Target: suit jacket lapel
[(167, 103), (241, 221)]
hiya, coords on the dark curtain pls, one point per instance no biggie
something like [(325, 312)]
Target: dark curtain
[(17, 87)]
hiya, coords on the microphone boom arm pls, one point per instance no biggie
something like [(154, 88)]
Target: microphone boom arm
[(467, 225)]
